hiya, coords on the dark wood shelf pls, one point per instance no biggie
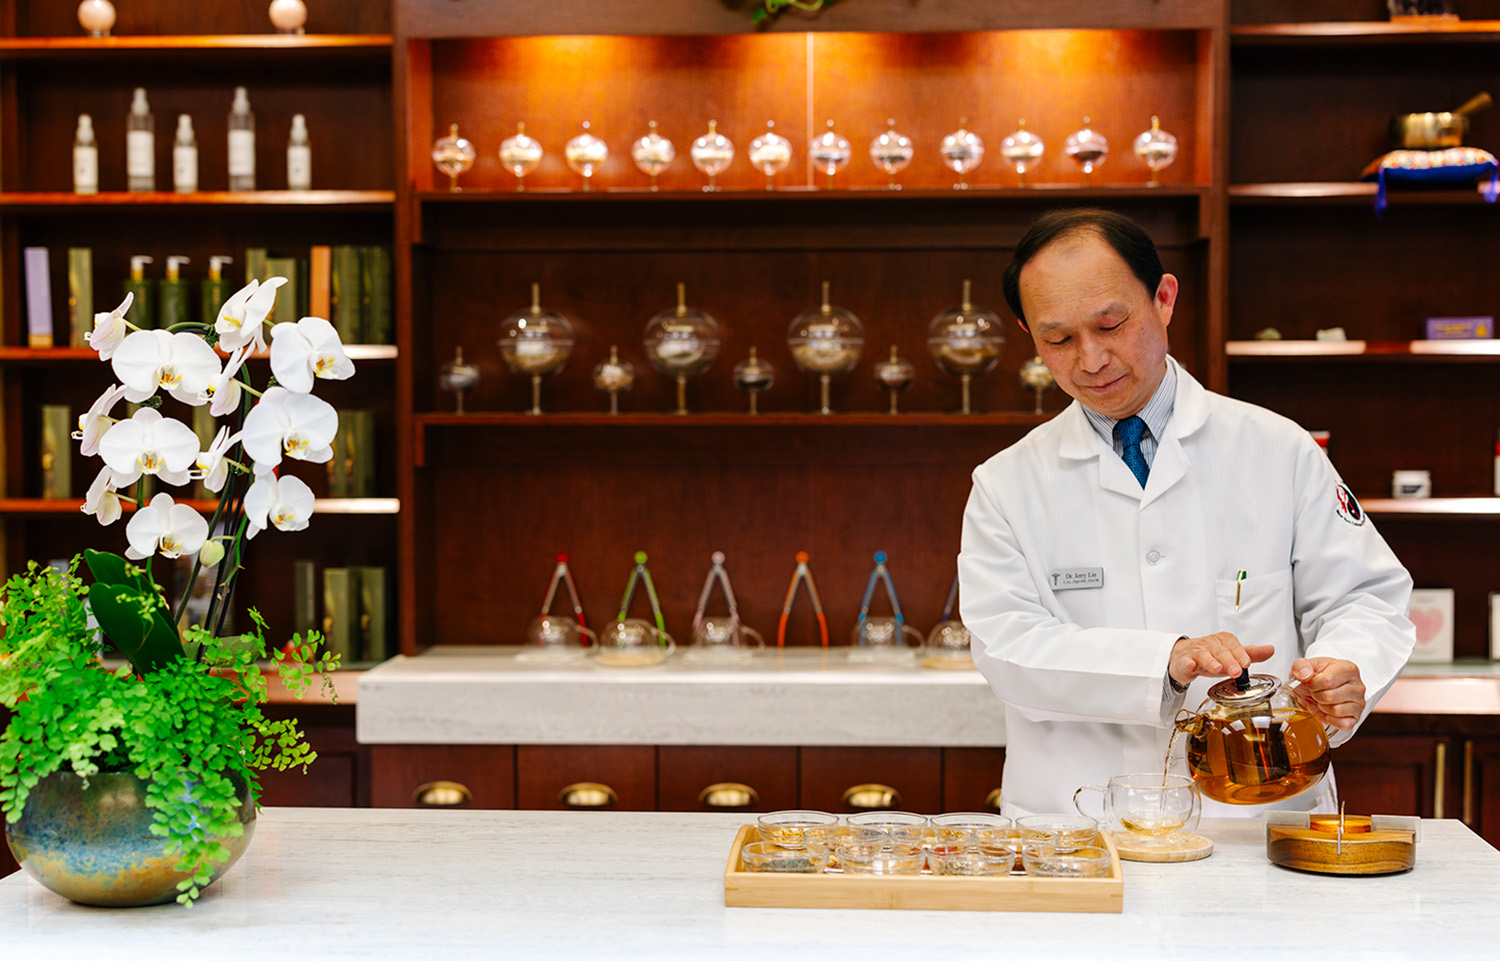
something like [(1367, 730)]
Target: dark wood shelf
[(51, 507), (718, 419), (22, 356), (1436, 507), (1350, 193), (53, 201), (1357, 350), (38, 48), (1048, 192), (1416, 30)]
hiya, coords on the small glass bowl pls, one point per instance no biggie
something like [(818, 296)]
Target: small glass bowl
[(785, 827), (886, 820), (948, 835), (859, 857), (996, 840), (970, 820), (763, 856), (1047, 860), (1065, 831), (972, 862), (830, 836)]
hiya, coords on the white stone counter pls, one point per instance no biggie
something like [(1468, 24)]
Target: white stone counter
[(799, 697), (397, 884)]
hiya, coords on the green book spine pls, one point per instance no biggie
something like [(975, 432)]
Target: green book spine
[(80, 295), (338, 464), (57, 452), (376, 314), (304, 597), (290, 293), (340, 623), (255, 264), (361, 453), (345, 294), (374, 613)]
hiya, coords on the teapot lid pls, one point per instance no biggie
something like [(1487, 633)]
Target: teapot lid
[(1246, 689)]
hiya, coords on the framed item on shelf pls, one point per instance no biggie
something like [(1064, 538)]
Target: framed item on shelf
[(1432, 614)]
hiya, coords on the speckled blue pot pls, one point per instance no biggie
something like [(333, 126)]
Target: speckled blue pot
[(94, 845)]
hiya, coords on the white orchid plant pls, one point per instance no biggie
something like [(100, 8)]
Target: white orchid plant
[(184, 714)]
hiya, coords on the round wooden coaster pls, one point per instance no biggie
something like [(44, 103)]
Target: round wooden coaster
[(1181, 847)]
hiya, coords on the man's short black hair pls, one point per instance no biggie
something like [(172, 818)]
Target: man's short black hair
[(1123, 234)]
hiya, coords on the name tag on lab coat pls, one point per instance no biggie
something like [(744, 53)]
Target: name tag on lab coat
[(1076, 578)]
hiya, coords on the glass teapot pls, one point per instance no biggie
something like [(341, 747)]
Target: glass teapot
[(1255, 740)]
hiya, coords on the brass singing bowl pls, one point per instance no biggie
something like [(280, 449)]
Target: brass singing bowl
[(1436, 131)]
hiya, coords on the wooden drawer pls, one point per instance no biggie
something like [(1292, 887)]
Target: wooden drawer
[(561, 777), (442, 775), (971, 778), (913, 773), (684, 775), (340, 775)]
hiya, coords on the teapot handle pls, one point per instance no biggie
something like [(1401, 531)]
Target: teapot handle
[(664, 640), (593, 638), (918, 641), (757, 642)]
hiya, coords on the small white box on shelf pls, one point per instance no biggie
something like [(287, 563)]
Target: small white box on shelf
[(1432, 614)]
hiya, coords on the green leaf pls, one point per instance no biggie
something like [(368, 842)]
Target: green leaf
[(135, 625), (110, 568)]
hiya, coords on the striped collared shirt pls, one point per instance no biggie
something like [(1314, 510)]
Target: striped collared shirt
[(1156, 413)]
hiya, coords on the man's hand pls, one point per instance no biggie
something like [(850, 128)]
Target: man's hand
[(1338, 694), (1215, 655)]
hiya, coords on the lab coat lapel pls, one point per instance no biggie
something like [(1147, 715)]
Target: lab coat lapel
[(1189, 412), (1081, 442)]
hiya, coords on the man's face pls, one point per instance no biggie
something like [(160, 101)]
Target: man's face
[(1103, 336)]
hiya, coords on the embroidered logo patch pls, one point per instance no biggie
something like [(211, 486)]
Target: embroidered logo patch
[(1348, 506)]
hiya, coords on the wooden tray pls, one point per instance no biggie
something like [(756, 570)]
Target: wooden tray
[(755, 889)]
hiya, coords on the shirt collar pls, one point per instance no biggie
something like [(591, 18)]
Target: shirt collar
[(1156, 413)]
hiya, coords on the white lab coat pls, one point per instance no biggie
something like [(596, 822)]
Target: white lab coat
[(1082, 671)]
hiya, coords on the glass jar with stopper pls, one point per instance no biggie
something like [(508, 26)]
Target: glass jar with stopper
[(752, 376), (585, 154), (652, 154), (1037, 376), (615, 377), (892, 152), (830, 153), (825, 340), (962, 150), (536, 343), (458, 376), (965, 342), (769, 153), (1088, 148), (895, 375), (453, 155), (712, 153), (1022, 150), (681, 342), (1157, 149), (520, 154)]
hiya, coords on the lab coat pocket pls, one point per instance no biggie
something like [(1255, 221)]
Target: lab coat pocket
[(1263, 614)]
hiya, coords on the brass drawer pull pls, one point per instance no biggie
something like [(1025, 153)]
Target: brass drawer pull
[(992, 801), (441, 794), (588, 795), (728, 795), (872, 797)]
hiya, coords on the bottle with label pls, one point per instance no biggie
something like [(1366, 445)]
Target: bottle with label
[(173, 297), (140, 145), (241, 142), (298, 156), (185, 157), (214, 291), (142, 311), (85, 157)]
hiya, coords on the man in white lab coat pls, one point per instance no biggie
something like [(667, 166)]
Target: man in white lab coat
[(1155, 538)]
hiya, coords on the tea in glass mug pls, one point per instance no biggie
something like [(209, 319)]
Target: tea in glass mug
[(1148, 807)]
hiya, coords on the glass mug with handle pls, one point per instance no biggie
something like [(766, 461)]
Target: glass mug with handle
[(877, 636), (726, 637), (1149, 809), (554, 637), (632, 642)]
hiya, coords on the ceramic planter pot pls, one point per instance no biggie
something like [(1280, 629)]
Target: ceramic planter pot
[(94, 845)]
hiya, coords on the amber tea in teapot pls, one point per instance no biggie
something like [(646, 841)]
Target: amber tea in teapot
[(1254, 741)]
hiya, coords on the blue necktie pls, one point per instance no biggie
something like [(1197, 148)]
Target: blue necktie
[(1130, 431)]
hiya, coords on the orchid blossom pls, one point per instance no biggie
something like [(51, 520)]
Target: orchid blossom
[(109, 328), (213, 466), (285, 503), (93, 424), (102, 502), (149, 443), (300, 426), (181, 363), (167, 527), (307, 349), (242, 319)]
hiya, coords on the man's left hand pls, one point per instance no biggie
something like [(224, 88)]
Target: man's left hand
[(1337, 692)]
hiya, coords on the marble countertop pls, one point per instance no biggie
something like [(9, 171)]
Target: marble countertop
[(802, 697), (376, 884)]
